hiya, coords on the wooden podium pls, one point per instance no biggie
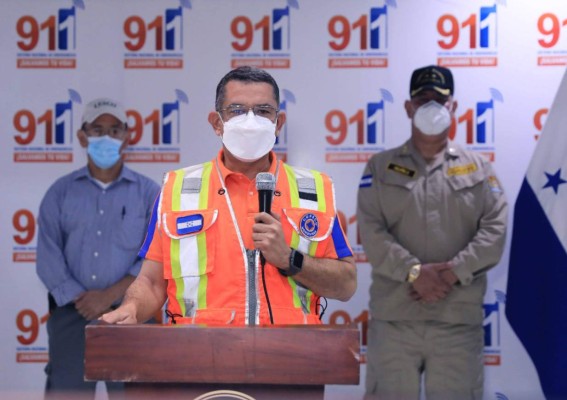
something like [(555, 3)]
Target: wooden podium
[(191, 361)]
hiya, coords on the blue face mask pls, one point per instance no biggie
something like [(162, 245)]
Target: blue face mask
[(104, 151)]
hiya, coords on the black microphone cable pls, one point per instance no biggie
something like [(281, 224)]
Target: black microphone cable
[(263, 263)]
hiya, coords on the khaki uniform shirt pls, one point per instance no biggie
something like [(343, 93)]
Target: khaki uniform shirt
[(410, 212)]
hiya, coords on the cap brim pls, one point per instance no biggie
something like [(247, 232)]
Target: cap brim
[(443, 91)]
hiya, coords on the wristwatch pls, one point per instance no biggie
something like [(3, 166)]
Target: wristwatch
[(414, 273), (295, 263)]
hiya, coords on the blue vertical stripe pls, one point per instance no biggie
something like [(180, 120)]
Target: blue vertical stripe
[(339, 241), (151, 229)]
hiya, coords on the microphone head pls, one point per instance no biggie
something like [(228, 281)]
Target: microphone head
[(265, 181)]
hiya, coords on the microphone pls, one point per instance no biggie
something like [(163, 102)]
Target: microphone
[(265, 184)]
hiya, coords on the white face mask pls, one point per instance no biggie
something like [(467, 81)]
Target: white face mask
[(432, 118), (249, 137)]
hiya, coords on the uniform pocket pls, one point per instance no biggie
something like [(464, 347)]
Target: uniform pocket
[(130, 233), (313, 225), (190, 242)]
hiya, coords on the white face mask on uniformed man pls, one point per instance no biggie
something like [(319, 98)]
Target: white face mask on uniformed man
[(432, 118), (249, 137)]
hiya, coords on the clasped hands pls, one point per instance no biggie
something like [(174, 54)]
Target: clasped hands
[(434, 282)]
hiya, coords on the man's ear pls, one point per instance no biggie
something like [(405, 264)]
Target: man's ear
[(282, 117), (454, 106), (216, 122), (82, 136), (409, 109)]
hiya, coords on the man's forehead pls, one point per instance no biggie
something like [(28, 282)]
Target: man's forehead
[(106, 119), (239, 90)]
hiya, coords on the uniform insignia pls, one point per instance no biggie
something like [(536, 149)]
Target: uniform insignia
[(462, 169), (309, 225), (494, 184), (365, 181), (189, 224), (401, 170)]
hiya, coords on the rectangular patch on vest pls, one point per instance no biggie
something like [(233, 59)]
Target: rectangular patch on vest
[(191, 185), (462, 169), (189, 224), (401, 170)]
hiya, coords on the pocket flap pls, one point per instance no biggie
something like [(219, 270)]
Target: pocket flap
[(311, 224), (460, 182), (181, 224)]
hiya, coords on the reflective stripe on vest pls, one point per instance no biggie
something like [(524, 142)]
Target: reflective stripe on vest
[(307, 190), (188, 257)]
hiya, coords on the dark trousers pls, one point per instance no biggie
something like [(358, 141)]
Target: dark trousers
[(66, 367)]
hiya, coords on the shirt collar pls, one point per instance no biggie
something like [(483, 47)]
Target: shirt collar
[(225, 172), (452, 150), (125, 173)]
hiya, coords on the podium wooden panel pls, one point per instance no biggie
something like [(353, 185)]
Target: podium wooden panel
[(187, 360)]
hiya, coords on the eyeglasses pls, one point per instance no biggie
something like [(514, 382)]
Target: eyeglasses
[(113, 132), (265, 111)]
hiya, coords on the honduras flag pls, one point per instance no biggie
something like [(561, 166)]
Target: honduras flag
[(537, 279)]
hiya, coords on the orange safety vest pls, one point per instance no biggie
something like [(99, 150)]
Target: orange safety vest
[(201, 287)]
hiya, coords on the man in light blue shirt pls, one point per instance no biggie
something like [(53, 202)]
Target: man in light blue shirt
[(92, 223)]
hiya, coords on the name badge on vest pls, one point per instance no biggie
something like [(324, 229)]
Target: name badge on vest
[(309, 225), (189, 224)]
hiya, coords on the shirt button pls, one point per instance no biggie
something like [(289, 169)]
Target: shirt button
[(98, 233), (104, 192), (251, 193), (95, 254), (101, 212), (93, 277)]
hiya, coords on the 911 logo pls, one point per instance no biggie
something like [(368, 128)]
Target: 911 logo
[(155, 134), (155, 42), (48, 41), (491, 325), (369, 134), (280, 147), (360, 41), (45, 135), (540, 117), (476, 126), (551, 40), (469, 40), (263, 42), (29, 324), (24, 224)]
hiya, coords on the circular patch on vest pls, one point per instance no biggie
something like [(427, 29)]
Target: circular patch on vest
[(309, 225)]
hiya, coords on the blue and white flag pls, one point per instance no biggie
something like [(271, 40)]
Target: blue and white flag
[(537, 279)]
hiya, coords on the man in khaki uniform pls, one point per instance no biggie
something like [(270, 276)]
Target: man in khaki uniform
[(432, 219)]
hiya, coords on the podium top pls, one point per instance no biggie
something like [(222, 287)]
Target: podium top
[(284, 354)]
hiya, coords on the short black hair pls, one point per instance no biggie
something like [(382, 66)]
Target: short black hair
[(246, 74)]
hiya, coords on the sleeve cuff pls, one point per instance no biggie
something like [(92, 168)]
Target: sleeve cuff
[(67, 292), (463, 273)]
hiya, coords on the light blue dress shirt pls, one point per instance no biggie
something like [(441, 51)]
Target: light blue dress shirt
[(89, 237)]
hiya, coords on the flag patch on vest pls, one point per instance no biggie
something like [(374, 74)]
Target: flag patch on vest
[(189, 224), (309, 225), (365, 181), (401, 170)]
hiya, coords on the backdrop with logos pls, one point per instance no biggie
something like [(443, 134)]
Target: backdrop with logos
[(343, 69)]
